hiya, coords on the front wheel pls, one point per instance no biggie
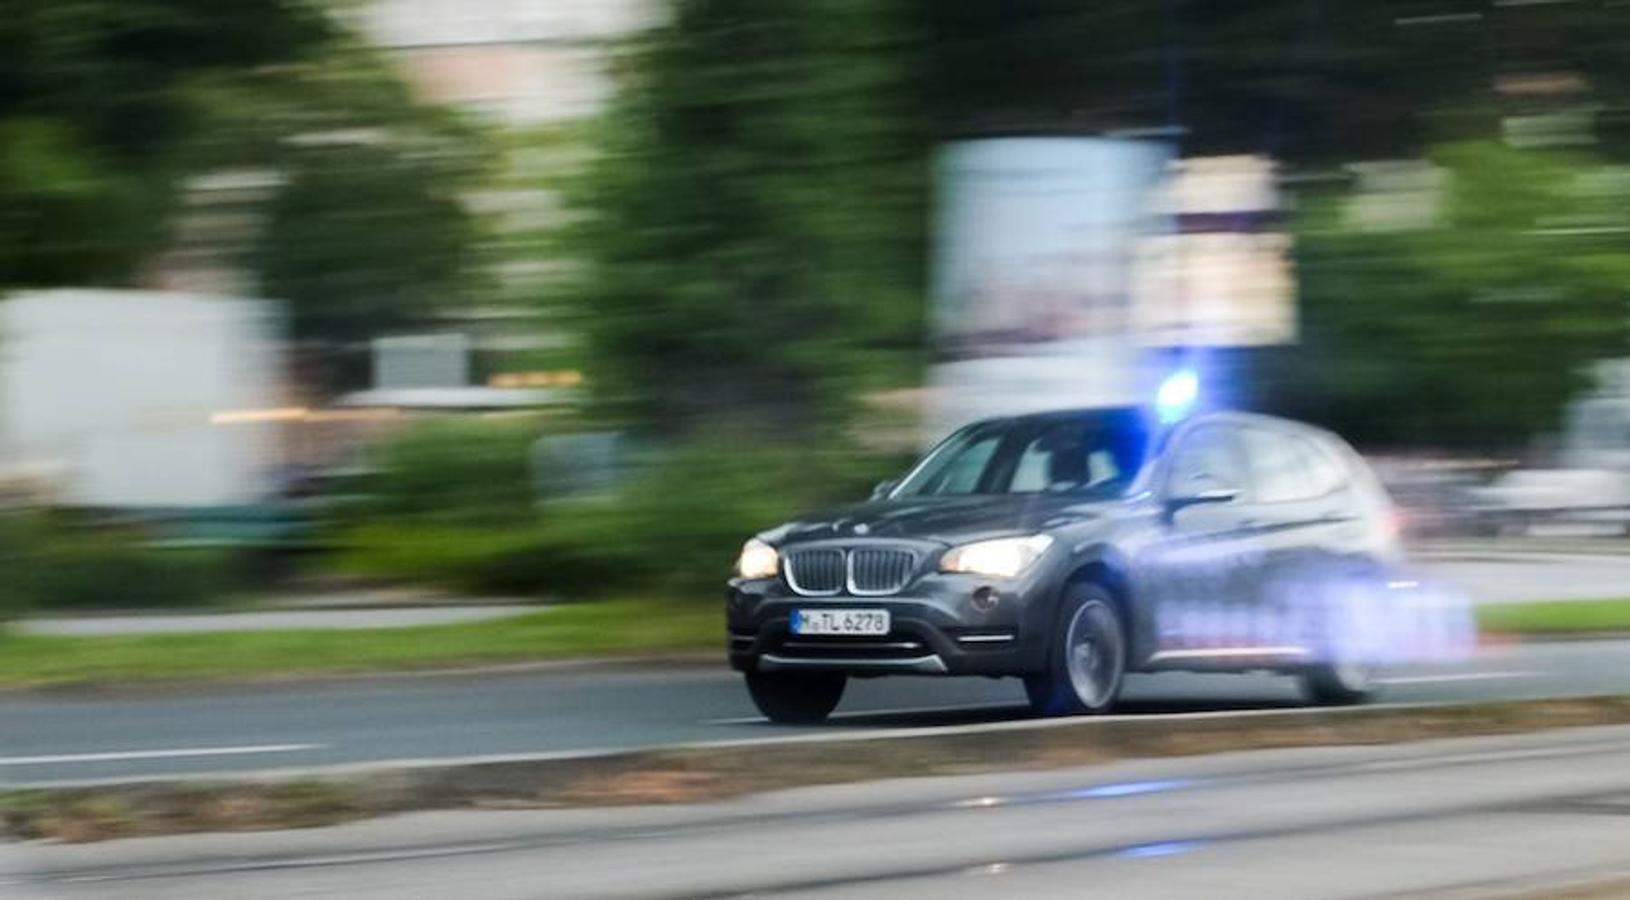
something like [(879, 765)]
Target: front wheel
[(1088, 660), (796, 698)]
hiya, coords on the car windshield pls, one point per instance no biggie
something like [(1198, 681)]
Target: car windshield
[(1093, 453)]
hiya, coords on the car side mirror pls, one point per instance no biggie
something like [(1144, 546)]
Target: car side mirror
[(884, 488), (1179, 500)]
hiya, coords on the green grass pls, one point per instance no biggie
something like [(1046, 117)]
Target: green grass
[(613, 628), (1556, 618)]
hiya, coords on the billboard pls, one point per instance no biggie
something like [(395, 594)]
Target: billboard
[(1033, 289), (1221, 275)]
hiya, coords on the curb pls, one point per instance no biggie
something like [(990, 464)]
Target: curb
[(716, 770)]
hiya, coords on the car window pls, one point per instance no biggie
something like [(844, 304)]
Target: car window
[(1208, 458), (1327, 475), (962, 470), (1278, 466), (1061, 457), (1099, 453)]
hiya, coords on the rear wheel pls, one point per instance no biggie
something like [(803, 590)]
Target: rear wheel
[(1088, 661), (1338, 683), (796, 698)]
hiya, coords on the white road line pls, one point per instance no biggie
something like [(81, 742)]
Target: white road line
[(154, 754), (1458, 676)]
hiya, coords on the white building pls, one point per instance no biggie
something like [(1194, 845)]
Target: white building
[(524, 62)]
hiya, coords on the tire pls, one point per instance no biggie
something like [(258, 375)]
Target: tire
[(1087, 663), (1344, 674), (796, 698), (1338, 684)]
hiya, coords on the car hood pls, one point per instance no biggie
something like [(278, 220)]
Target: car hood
[(947, 520)]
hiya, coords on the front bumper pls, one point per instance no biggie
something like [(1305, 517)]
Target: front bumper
[(943, 625)]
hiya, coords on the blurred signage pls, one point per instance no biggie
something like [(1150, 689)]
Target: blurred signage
[(561, 378), (1033, 274), (1220, 276)]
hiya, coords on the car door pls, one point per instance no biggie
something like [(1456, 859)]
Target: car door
[(1198, 574), (1305, 517)]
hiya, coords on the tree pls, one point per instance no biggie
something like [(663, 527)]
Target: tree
[(371, 229), (1474, 332), (107, 107), (93, 113), (752, 229)]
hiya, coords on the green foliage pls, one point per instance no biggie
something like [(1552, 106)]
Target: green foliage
[(563, 562), (55, 566), (453, 471), (95, 113), (369, 231), (1470, 333), (361, 240), (752, 227), (675, 527), (107, 106)]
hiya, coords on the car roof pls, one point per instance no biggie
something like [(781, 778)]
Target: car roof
[(1234, 417), (1229, 417)]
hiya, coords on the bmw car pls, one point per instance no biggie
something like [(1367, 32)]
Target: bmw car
[(1070, 548)]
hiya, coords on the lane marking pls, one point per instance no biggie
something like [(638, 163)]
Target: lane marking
[(124, 755), (1459, 676)]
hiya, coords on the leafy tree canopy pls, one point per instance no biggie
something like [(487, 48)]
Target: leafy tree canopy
[(1475, 331), (93, 111)]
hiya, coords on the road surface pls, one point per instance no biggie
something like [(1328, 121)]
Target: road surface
[(1465, 818), (142, 732), (1497, 577)]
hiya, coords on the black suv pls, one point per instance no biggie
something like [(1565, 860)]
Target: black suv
[(1069, 548)]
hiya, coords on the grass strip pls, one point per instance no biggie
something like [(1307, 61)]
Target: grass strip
[(607, 629), (1558, 618)]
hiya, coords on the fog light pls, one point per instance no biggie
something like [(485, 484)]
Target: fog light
[(985, 599)]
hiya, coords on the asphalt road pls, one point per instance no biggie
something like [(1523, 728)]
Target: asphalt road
[(1516, 816), (144, 732), (147, 732), (1498, 577)]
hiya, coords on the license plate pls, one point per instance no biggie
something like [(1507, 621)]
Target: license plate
[(840, 621)]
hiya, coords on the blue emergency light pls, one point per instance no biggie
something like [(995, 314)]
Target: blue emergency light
[(1177, 395)]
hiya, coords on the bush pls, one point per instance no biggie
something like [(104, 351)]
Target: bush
[(51, 566), (674, 528), (458, 472), (535, 560)]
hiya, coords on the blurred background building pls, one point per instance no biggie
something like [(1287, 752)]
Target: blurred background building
[(521, 63)]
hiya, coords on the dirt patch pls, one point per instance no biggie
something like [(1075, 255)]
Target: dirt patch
[(98, 814)]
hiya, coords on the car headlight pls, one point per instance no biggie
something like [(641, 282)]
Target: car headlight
[(1001, 558), (758, 560)]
